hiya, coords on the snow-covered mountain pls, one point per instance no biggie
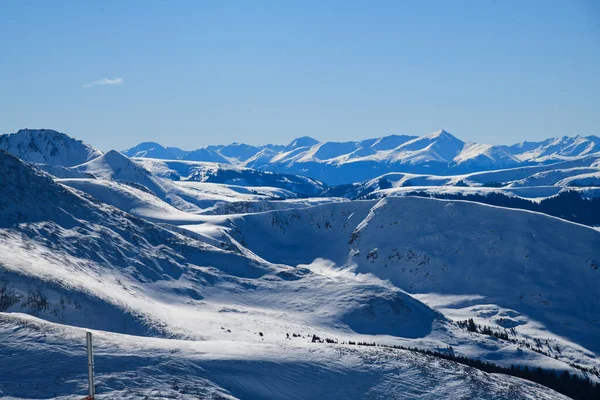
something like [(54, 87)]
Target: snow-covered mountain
[(115, 179), (458, 250), (438, 153), (209, 279), (227, 307), (556, 149), (566, 189), (154, 150), (477, 157), (45, 146), (115, 166), (438, 147)]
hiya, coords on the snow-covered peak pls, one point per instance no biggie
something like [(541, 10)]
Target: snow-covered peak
[(115, 166), (475, 155), (144, 146), (439, 146), (46, 146), (108, 165), (153, 150), (236, 151), (304, 141), (440, 133), (264, 156)]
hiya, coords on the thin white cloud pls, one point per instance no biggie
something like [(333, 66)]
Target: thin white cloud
[(104, 81)]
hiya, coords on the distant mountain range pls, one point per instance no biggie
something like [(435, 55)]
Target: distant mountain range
[(439, 153), (560, 177)]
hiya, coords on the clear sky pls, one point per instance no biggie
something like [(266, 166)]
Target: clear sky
[(192, 73)]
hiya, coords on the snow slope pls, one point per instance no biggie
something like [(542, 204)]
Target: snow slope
[(532, 193), (72, 242), (188, 196), (588, 179), (183, 201), (516, 267), (558, 177), (131, 199), (212, 313), (229, 174), (115, 166), (136, 368), (537, 180)]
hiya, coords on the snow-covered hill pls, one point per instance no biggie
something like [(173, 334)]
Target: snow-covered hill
[(229, 174), (218, 313), (506, 268), (242, 266), (116, 180), (533, 176), (45, 146), (72, 242), (115, 166), (579, 205)]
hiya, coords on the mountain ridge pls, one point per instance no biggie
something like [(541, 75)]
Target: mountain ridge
[(438, 153)]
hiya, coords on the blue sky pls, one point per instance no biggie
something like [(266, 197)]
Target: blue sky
[(192, 73)]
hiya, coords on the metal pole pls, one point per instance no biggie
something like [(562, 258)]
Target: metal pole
[(90, 355)]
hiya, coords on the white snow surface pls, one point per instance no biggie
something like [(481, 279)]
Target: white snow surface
[(183, 170), (114, 170), (129, 367), (522, 267), (205, 308)]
